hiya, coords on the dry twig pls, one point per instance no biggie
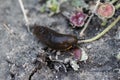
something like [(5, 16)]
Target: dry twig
[(8, 29), (86, 25), (24, 13)]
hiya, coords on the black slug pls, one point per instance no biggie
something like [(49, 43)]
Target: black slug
[(54, 39)]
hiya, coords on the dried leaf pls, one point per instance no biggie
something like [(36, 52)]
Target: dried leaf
[(74, 65)]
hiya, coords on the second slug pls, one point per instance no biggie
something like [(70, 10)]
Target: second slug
[(54, 39)]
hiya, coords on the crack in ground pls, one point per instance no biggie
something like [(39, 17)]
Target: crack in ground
[(38, 67), (33, 72)]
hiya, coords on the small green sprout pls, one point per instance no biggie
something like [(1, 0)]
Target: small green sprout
[(53, 6)]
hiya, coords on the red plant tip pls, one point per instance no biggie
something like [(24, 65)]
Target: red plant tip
[(105, 10), (78, 19), (77, 53)]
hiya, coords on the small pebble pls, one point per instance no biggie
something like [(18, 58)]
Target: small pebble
[(118, 56), (89, 46), (118, 34), (74, 65)]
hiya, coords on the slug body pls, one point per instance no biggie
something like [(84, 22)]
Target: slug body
[(53, 39)]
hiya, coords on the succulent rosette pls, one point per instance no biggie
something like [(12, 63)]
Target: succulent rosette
[(78, 19), (105, 10)]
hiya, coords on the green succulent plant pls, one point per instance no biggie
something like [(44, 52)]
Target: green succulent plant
[(53, 6)]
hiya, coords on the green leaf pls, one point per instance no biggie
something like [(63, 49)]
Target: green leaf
[(79, 3)]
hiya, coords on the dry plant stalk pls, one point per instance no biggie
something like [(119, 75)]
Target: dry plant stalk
[(24, 13), (86, 25), (8, 29)]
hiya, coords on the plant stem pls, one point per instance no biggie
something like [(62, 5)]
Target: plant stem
[(117, 6), (7, 28), (113, 1), (86, 25), (24, 13), (104, 22), (102, 33)]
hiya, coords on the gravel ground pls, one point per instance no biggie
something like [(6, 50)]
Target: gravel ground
[(19, 50)]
